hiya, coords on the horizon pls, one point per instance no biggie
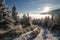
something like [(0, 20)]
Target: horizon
[(36, 16)]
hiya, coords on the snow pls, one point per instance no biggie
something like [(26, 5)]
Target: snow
[(26, 36), (44, 34)]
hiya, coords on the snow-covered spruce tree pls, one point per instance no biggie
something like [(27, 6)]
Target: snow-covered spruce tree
[(57, 26), (5, 18)]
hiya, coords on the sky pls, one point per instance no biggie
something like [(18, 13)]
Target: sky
[(33, 6)]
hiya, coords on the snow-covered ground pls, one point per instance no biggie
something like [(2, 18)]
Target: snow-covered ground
[(44, 34), (26, 36)]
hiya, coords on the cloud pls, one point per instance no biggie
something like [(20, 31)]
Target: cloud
[(41, 8)]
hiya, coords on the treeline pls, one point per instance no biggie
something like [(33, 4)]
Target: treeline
[(52, 23)]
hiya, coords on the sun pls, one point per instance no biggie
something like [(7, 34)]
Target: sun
[(46, 9)]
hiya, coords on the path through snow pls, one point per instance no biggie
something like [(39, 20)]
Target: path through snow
[(45, 34)]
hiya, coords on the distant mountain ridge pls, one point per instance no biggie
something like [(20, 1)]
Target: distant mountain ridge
[(56, 11)]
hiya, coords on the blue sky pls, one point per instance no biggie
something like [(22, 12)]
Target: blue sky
[(33, 6)]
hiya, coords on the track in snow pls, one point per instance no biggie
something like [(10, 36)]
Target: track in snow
[(45, 34)]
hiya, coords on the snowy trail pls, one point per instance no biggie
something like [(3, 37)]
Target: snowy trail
[(45, 34), (26, 36)]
